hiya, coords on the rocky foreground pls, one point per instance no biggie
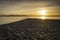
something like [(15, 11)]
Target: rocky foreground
[(31, 29)]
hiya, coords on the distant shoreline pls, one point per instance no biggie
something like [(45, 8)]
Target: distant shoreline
[(29, 15)]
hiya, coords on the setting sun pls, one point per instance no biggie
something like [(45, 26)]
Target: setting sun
[(43, 12)]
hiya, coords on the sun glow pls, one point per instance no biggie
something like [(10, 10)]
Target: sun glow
[(43, 17), (42, 13)]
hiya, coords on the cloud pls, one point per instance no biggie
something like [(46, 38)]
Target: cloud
[(24, 7), (23, 0)]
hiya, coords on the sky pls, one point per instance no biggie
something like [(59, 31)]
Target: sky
[(27, 7)]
